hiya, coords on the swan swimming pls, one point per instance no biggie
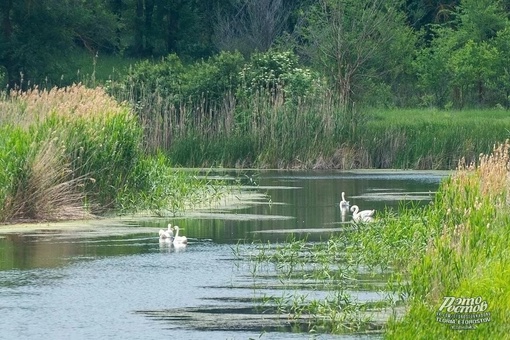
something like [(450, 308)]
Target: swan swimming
[(362, 216), (344, 205), (166, 234), (179, 240)]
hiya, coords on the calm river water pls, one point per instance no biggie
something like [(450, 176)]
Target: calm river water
[(120, 282)]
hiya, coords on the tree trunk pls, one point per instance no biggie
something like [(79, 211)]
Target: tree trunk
[(480, 92), (139, 28), (149, 11), (6, 56)]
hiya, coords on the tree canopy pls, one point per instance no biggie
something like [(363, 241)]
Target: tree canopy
[(399, 52)]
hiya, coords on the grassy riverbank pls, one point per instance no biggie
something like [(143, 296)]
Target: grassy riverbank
[(461, 251), (267, 112), (305, 137), (73, 152), (313, 132), (431, 139), (456, 247), (270, 112)]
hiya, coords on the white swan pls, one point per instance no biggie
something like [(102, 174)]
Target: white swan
[(166, 234), (179, 240), (362, 216), (344, 205)]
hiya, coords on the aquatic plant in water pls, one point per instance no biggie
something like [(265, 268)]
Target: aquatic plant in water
[(315, 279), (455, 247)]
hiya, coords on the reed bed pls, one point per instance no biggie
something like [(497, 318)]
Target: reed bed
[(263, 130), (455, 247), (73, 152), (269, 129)]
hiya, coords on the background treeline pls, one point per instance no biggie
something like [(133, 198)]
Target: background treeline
[(275, 83), (401, 53)]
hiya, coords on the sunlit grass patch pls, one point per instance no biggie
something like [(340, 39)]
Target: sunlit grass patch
[(467, 251)]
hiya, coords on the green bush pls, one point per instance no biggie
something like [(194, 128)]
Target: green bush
[(274, 71), (147, 77), (213, 78)]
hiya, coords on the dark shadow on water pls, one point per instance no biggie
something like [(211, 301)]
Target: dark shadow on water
[(246, 319)]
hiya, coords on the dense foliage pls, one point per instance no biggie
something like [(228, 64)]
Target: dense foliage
[(72, 152), (372, 52)]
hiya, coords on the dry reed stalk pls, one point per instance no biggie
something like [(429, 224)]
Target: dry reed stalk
[(491, 173), (26, 107), (48, 192)]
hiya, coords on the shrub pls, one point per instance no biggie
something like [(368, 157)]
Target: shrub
[(274, 70), (212, 78)]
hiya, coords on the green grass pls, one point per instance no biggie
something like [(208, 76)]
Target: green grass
[(67, 153), (97, 69), (418, 116), (266, 131), (458, 246)]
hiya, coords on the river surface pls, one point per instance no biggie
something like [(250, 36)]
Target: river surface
[(118, 281)]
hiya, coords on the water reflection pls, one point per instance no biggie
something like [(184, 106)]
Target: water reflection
[(166, 245), (310, 200), (128, 284)]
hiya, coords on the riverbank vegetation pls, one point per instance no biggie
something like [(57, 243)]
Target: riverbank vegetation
[(74, 152), (298, 84), (459, 246), (271, 113), (281, 83)]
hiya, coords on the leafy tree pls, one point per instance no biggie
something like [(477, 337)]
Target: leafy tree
[(349, 40), (161, 27), (434, 77), (502, 83), (465, 55), (423, 13), (479, 20), (36, 36), (473, 65)]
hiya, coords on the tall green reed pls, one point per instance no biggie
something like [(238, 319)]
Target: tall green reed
[(75, 151), (465, 254), (429, 145), (264, 129), (274, 129)]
